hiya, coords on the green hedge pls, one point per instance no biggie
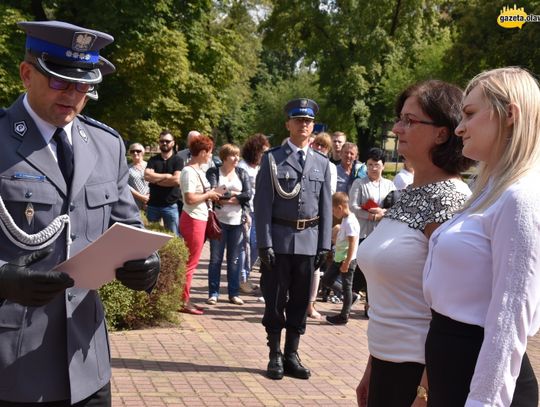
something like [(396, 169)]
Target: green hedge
[(128, 309)]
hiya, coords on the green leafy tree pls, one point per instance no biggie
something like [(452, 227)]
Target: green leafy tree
[(181, 65), (11, 54), (270, 97), (355, 46), (480, 43)]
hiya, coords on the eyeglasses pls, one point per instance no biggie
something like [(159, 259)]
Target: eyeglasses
[(320, 145), (59, 84), (135, 151), (407, 122), (165, 141)]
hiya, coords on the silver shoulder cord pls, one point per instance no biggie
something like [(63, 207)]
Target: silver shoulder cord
[(275, 182), (36, 241)]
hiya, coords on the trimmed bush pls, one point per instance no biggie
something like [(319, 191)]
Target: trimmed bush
[(128, 309)]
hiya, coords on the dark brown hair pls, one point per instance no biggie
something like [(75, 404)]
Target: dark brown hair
[(254, 147), (441, 101)]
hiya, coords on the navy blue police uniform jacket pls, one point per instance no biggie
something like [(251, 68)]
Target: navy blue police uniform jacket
[(313, 200)]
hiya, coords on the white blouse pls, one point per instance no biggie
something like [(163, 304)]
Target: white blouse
[(193, 180), (392, 258), (484, 269)]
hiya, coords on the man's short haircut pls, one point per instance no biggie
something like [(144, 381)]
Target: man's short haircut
[(227, 150), (200, 143), (339, 134), (348, 145), (376, 154), (340, 198), (164, 133)]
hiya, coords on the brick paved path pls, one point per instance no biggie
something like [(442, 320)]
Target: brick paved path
[(219, 359)]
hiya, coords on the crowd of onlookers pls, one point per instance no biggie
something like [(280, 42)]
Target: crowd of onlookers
[(227, 181), (448, 270)]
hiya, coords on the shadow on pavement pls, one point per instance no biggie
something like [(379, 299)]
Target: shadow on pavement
[(162, 366)]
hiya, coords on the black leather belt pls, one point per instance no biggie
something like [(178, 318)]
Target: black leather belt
[(299, 224)]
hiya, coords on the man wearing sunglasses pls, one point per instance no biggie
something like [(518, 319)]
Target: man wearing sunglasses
[(63, 182), (163, 174)]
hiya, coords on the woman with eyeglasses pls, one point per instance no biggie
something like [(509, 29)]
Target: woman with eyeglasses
[(392, 257), (137, 184)]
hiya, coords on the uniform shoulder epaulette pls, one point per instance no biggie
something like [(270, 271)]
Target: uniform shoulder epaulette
[(321, 154), (272, 149), (95, 123), (2, 112)]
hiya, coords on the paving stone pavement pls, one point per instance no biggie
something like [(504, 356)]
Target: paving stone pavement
[(219, 358)]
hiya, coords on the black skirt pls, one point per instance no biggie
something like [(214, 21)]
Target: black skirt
[(452, 349)]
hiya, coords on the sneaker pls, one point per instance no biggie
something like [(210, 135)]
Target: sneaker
[(212, 300), (335, 299), (236, 301), (355, 298), (260, 299), (337, 319)]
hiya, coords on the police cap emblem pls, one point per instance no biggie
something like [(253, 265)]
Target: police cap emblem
[(301, 108)]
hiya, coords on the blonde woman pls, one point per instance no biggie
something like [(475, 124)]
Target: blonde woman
[(482, 274), (392, 257), (137, 184)]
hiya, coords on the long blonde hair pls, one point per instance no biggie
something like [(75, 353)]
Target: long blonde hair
[(519, 152)]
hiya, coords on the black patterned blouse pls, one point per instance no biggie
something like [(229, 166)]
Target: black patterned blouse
[(431, 203)]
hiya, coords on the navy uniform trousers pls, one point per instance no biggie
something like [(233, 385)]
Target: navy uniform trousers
[(286, 287)]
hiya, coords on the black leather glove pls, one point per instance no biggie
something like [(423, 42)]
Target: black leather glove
[(320, 258), (267, 257), (20, 284), (140, 274)]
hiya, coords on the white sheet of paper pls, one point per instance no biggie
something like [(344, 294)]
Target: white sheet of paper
[(95, 265)]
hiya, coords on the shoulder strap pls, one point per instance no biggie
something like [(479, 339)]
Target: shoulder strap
[(202, 183)]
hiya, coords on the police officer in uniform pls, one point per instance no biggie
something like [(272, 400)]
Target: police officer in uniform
[(63, 182), (293, 212)]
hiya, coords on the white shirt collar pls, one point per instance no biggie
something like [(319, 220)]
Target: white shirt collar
[(45, 128), (296, 148)]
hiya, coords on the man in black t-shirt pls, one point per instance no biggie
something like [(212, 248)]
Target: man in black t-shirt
[(163, 174)]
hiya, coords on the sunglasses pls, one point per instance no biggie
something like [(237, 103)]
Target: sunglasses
[(165, 141), (59, 84), (320, 145), (135, 151)]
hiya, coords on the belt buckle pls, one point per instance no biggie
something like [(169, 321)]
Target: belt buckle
[(300, 222)]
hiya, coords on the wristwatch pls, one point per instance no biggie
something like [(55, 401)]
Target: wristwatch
[(422, 393)]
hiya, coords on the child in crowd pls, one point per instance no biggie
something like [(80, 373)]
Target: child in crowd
[(344, 257)]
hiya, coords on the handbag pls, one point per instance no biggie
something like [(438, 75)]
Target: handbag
[(213, 227)]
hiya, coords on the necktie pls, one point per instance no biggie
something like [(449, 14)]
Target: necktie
[(301, 158), (64, 153)]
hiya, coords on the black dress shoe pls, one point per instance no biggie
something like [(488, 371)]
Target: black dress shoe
[(274, 370), (293, 367)]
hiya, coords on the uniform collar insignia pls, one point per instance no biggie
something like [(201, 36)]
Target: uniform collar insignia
[(20, 128), (82, 133)]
